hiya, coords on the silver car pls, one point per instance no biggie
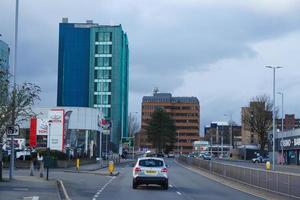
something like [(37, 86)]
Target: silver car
[(150, 170)]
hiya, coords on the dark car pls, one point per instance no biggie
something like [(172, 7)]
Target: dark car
[(160, 155)]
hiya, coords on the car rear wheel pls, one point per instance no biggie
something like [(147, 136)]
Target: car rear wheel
[(134, 184), (165, 185)]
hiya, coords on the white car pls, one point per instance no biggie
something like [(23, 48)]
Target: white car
[(150, 170)]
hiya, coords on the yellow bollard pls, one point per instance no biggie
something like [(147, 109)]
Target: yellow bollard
[(77, 164), (268, 165), (111, 167)]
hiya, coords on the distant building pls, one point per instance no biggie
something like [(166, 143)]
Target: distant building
[(184, 110), (289, 123), (4, 56), (248, 134), (231, 133), (93, 71)]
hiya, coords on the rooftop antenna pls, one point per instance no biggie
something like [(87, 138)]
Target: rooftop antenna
[(155, 90)]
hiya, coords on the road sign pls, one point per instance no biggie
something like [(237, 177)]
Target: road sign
[(12, 130)]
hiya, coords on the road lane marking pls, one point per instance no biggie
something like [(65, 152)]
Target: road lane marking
[(171, 186), (178, 193), (103, 187)]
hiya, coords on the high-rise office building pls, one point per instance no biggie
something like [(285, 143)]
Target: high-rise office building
[(93, 71), (185, 111), (4, 56)]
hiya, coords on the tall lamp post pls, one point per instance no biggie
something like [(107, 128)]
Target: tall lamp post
[(274, 85), (282, 129), (12, 159)]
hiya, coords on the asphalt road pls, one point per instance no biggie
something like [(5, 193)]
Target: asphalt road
[(184, 184)]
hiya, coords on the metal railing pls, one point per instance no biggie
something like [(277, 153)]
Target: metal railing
[(281, 182)]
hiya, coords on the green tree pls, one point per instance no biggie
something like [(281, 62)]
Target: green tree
[(15, 105), (161, 130)]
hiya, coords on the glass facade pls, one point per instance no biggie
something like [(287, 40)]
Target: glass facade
[(4, 56), (93, 72)]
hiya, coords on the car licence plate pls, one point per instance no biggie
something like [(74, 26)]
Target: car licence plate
[(150, 172)]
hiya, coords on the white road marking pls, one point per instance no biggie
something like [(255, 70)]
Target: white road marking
[(171, 186), (178, 193), (104, 186), (31, 198)]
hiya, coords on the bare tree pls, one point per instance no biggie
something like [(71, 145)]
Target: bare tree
[(258, 118), (15, 105)]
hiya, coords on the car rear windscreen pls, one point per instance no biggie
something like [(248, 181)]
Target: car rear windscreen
[(151, 163)]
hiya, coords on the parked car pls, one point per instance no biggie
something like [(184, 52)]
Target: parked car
[(206, 157), (150, 170), (171, 155), (160, 155), (191, 156), (260, 159)]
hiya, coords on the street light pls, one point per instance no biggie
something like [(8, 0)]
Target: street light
[(12, 159), (282, 96), (274, 76)]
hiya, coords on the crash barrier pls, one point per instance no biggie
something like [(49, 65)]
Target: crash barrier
[(281, 182)]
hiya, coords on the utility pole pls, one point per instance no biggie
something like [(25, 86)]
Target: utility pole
[(282, 129), (177, 142), (274, 85), (12, 156)]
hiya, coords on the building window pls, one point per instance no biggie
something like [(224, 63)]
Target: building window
[(102, 99), (104, 36), (103, 61), (105, 49), (106, 112), (102, 74), (103, 87)]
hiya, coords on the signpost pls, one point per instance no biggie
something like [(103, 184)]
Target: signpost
[(12, 130)]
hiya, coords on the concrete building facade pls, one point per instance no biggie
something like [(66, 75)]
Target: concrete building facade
[(231, 134), (184, 110)]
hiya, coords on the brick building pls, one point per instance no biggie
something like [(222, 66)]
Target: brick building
[(184, 110), (289, 123)]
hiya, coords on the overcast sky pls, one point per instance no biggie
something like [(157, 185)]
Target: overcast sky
[(215, 50)]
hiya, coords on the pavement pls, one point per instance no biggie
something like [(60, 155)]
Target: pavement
[(280, 168), (28, 187)]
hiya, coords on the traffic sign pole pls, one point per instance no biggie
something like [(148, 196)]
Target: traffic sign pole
[(12, 157)]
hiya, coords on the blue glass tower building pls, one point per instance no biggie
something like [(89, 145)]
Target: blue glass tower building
[(93, 71), (4, 56)]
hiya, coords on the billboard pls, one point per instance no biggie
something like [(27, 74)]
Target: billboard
[(42, 127), (56, 129)]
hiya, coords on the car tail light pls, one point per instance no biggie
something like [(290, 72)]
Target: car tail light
[(137, 170), (164, 170)]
